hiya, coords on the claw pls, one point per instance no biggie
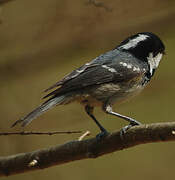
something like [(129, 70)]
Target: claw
[(102, 135), (124, 129)]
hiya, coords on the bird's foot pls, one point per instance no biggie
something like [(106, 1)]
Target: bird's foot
[(125, 129), (16, 122), (102, 135)]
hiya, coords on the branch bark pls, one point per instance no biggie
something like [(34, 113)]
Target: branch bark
[(90, 148)]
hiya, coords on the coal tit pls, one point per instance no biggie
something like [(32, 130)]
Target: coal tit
[(110, 78)]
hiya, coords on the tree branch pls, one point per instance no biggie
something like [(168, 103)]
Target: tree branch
[(90, 148), (38, 133)]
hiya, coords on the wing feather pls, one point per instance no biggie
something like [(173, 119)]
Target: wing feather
[(71, 75), (93, 75)]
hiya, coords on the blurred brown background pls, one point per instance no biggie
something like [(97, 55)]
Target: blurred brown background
[(41, 41)]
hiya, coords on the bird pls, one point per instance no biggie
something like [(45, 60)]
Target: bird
[(110, 78)]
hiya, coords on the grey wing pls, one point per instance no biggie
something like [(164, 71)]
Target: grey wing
[(95, 62), (72, 75), (95, 74)]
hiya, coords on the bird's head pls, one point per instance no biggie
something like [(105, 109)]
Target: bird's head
[(145, 46)]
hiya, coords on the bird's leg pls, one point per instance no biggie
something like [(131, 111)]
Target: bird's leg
[(89, 111), (133, 122)]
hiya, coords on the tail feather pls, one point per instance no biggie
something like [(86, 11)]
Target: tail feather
[(40, 110)]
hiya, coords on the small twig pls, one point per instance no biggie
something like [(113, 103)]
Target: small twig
[(98, 4), (173, 132), (87, 133), (38, 133), (34, 162)]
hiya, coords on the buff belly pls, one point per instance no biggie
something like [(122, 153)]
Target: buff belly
[(108, 93)]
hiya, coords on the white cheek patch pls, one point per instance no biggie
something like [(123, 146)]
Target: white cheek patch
[(154, 61), (109, 68), (133, 42)]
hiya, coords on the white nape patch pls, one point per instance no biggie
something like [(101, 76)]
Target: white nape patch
[(133, 42), (109, 68), (154, 61)]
